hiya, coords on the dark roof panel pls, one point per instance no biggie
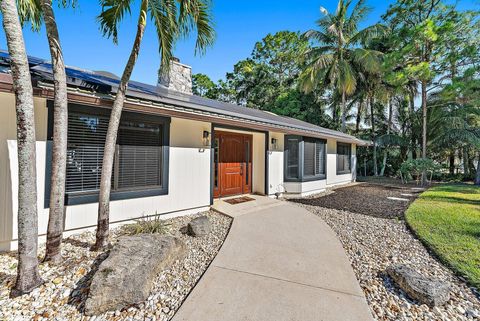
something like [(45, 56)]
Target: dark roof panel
[(108, 83)]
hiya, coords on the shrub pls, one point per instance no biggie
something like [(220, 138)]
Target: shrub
[(413, 168), (146, 225)]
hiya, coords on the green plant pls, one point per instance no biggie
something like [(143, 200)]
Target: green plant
[(413, 169), (146, 225)]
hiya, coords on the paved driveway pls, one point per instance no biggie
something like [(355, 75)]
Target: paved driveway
[(279, 262)]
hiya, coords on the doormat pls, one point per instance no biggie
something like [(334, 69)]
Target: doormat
[(239, 200)]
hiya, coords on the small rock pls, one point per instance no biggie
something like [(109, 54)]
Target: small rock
[(430, 292), (199, 226), (472, 313), (57, 281)]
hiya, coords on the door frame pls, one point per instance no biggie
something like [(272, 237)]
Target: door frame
[(219, 127), (246, 168)]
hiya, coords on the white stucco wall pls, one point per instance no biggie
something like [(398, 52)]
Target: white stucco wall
[(189, 177), (275, 164)]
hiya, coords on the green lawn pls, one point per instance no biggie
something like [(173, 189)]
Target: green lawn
[(447, 219)]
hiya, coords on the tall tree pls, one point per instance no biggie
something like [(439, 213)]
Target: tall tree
[(420, 26), (28, 277), (339, 60), (34, 12), (172, 19), (60, 130)]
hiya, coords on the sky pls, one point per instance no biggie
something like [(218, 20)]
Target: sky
[(238, 24)]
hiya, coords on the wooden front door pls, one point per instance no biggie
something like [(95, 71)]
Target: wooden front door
[(233, 164)]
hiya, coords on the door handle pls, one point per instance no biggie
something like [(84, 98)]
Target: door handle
[(241, 170)]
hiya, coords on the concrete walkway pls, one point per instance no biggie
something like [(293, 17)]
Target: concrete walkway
[(279, 262)]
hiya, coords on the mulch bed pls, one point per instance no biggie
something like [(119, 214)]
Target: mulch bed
[(367, 199)]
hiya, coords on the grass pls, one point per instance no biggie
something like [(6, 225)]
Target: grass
[(446, 218), (146, 225)]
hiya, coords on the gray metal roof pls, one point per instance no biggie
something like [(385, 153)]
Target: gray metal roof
[(104, 82)]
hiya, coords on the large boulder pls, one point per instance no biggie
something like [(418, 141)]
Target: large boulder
[(126, 276), (430, 292), (199, 226)]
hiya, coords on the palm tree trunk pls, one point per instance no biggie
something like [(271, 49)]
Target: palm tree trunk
[(424, 129), (451, 162), (372, 118), (413, 152), (477, 176), (28, 277), (109, 152), (343, 111), (465, 162), (359, 116), (390, 112), (59, 149)]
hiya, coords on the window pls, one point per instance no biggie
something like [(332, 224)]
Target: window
[(141, 155), (304, 158), (313, 157), (292, 160), (344, 158)]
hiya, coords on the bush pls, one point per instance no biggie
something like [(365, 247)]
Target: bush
[(413, 168), (146, 225)]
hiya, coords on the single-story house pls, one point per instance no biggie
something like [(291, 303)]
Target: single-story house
[(176, 152)]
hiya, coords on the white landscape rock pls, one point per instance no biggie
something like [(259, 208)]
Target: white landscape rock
[(373, 244), (170, 287), (126, 276)]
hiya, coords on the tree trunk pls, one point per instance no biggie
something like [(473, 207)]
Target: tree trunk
[(413, 151), (372, 117), (389, 125), (59, 149), (451, 162), (359, 117), (28, 277), (465, 161), (343, 112), (109, 152), (477, 176), (424, 129)]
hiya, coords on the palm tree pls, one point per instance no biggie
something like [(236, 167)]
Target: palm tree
[(28, 277), (60, 130), (172, 19), (339, 59), (33, 11)]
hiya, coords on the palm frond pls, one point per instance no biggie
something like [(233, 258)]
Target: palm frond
[(30, 11), (112, 14), (392, 140), (164, 16), (367, 60), (366, 35), (196, 15)]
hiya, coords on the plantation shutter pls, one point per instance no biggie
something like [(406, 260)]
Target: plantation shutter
[(309, 158), (292, 148), (139, 155), (85, 146), (320, 158), (343, 157)]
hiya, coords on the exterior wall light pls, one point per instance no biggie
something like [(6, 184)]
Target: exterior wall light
[(206, 138), (274, 143)]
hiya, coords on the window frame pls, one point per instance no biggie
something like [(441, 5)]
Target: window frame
[(349, 148), (301, 154), (85, 197)]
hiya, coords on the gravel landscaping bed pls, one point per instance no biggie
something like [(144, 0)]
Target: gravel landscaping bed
[(367, 199), (63, 295), (373, 244)]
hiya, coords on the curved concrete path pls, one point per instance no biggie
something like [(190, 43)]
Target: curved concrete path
[(279, 262)]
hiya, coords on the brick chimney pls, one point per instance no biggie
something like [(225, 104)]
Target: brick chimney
[(179, 78)]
